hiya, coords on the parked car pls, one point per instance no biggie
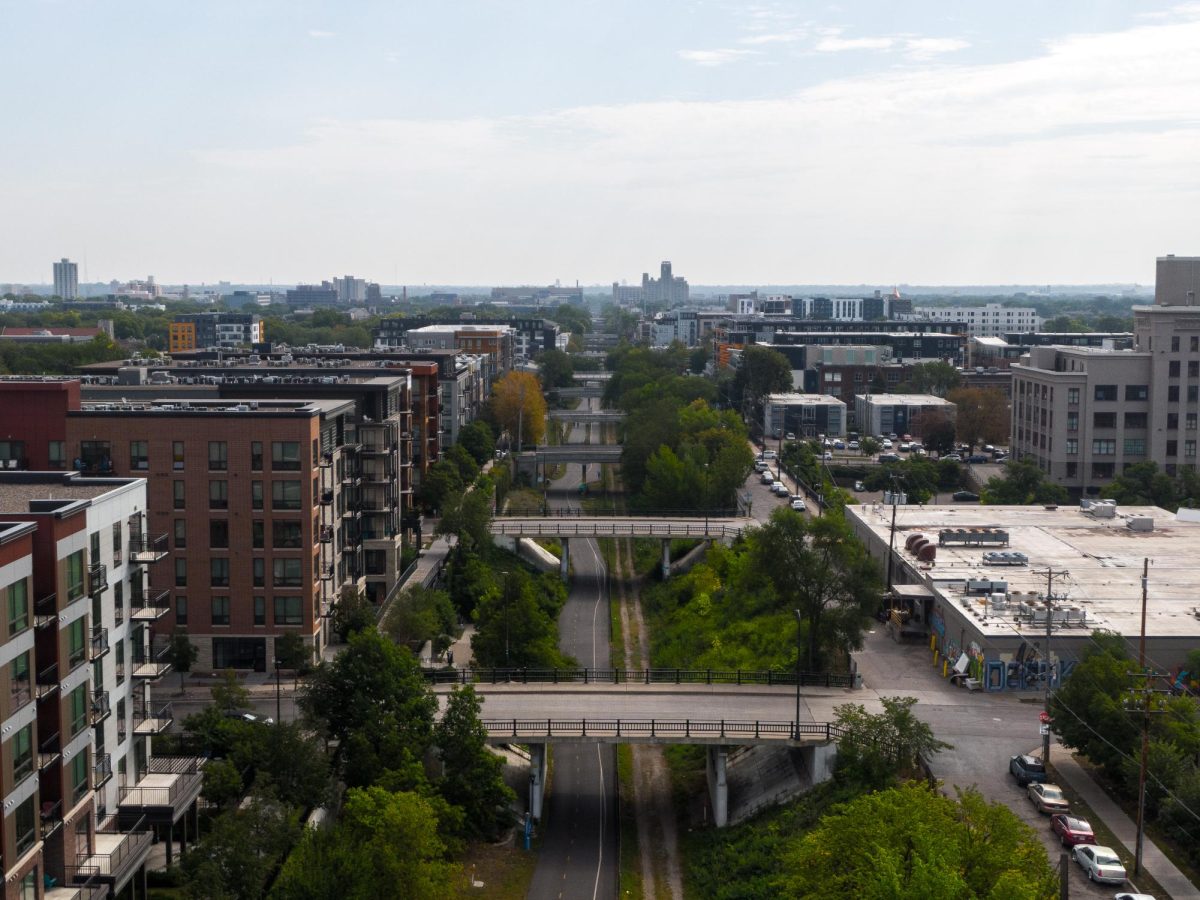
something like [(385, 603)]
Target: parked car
[(853, 445), (989, 448), (828, 455), (798, 504), (1048, 798), (887, 444), (889, 457), (791, 436), (1100, 863), (1071, 830), (839, 444), (965, 496), (953, 456), (243, 716), (859, 486), (979, 459), (905, 446), (1026, 769), (768, 454), (778, 489), (760, 466), (1125, 895), (768, 477)]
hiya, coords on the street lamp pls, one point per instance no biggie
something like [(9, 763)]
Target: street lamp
[(799, 622), (278, 698), (704, 499), (506, 600)]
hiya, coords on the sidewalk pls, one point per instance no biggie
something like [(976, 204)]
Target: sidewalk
[(1161, 869)]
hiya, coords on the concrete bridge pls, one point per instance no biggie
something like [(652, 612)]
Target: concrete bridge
[(593, 390), (579, 453), (587, 416), (592, 376)]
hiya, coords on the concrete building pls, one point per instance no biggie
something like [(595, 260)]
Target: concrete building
[(900, 413), (668, 289), (1001, 352), (312, 296), (200, 331), (682, 325), (66, 279), (951, 588), (350, 290), (1176, 280), (989, 320), (804, 415)]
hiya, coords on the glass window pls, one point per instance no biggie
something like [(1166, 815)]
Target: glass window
[(218, 456), (218, 534), (75, 576), (259, 567), (22, 750), (180, 533), (256, 456), (1193, 393), (1072, 394), (181, 610), (1104, 420), (258, 538), (1173, 369), (1189, 449), (177, 455), (256, 495), (219, 571), (20, 683), (57, 453), (1072, 446), (18, 606), (1136, 392), (1072, 421), (1135, 446), (75, 641), (1175, 343), (260, 610), (218, 495), (1172, 448), (179, 495), (28, 889), (79, 776), (1173, 394), (287, 572), (180, 572), (1104, 447), (285, 534), (1106, 392), (220, 610), (285, 494), (1194, 344), (77, 710), (119, 661), (139, 455), (289, 611), (1172, 421), (285, 456), (1191, 421), (25, 827), (1135, 420)]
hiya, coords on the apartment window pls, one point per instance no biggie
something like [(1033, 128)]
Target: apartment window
[(285, 534), (79, 777), (218, 494), (288, 611), (257, 534), (1193, 393), (220, 610), (1072, 396), (139, 455), (1190, 421), (1135, 446), (1072, 470), (22, 751), (285, 456), (1106, 392), (218, 572), (121, 720), (285, 494), (181, 610), (75, 576), (177, 455), (180, 572), (18, 606), (1104, 447), (218, 456), (77, 710), (20, 683), (180, 495), (119, 661), (287, 572), (1171, 469), (1103, 470), (56, 452), (1072, 421), (1104, 420), (1172, 448), (1173, 394), (1136, 391), (1072, 446), (119, 601), (1175, 343), (260, 572), (25, 829), (180, 534), (1189, 449), (256, 495), (1194, 344), (1173, 369), (1172, 421), (218, 534), (260, 610), (76, 633), (1193, 369), (256, 456)]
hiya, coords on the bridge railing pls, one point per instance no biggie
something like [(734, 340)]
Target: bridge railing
[(619, 527), (663, 728), (638, 676), (577, 513)]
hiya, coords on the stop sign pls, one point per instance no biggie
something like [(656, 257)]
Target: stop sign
[(1044, 716)]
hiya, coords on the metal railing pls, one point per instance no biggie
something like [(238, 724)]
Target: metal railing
[(532, 527), (579, 513), (150, 664), (51, 814), (191, 775), (99, 642), (97, 578), (101, 708), (49, 750), (150, 721), (146, 608), (639, 676), (130, 852), (45, 611), (146, 549), (705, 729), (47, 681), (102, 770)]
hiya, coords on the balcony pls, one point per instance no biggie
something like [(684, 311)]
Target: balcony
[(144, 549), (351, 478), (52, 817), (102, 770), (169, 787), (147, 609), (326, 497), (45, 611), (118, 853), (97, 578), (326, 460), (47, 681), (101, 708), (150, 665), (326, 573), (21, 693), (325, 535), (100, 645), (148, 721)]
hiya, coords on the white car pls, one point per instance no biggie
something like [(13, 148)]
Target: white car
[(798, 504), (768, 477), (859, 486), (828, 455), (853, 445), (887, 444), (768, 454), (760, 466), (1100, 863)]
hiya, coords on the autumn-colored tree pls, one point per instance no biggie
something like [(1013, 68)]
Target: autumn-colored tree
[(519, 407), (982, 415)]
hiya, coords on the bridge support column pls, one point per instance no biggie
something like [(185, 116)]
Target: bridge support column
[(718, 790), (819, 760), (538, 756), (564, 564), (666, 559)]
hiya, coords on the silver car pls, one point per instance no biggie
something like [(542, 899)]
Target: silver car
[(1100, 863)]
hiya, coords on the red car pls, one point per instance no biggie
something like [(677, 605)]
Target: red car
[(1071, 830)]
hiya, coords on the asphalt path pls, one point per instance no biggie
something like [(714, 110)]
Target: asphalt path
[(578, 856)]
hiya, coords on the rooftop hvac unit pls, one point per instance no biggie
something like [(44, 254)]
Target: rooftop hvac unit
[(927, 551), (1140, 523), (1104, 510), (912, 539)]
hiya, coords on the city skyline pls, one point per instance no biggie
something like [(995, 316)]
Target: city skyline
[(517, 144)]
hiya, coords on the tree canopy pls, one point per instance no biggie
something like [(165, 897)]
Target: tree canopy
[(981, 415), (1022, 484), (519, 407), (937, 378)]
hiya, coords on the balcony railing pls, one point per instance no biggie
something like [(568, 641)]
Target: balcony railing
[(101, 708), (150, 664), (181, 791), (102, 770), (100, 644), (52, 817), (326, 497), (146, 549), (325, 535), (147, 608), (45, 611), (125, 850), (49, 751), (47, 681), (97, 578), (150, 721)]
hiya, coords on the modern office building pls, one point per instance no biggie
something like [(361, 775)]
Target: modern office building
[(312, 296), (900, 413), (803, 415), (66, 279), (668, 289), (676, 326), (200, 331), (989, 320)]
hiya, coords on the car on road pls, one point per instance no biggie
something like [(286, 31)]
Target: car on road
[(968, 496), (1048, 798), (1100, 863), (798, 504), (853, 445), (253, 718), (768, 477), (889, 457), (778, 489), (828, 455), (791, 436), (859, 486), (979, 459), (1026, 769), (1071, 830)]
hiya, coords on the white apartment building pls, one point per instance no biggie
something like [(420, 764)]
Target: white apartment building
[(66, 279), (990, 320), (804, 415), (682, 325), (900, 413)]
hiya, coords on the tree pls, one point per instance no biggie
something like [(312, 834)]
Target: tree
[(291, 766), (472, 775), (575, 319), (422, 614), (468, 469), (1142, 484), (911, 841), (981, 415), (443, 480), (181, 654), (556, 369), (698, 359), (935, 431), (1023, 484), (937, 378), (762, 371), (291, 652), (468, 516), (230, 693), (477, 439), (877, 749), (869, 446), (818, 567), (514, 627), (352, 613), (235, 858), (519, 407), (222, 783)]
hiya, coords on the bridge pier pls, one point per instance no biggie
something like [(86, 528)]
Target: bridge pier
[(564, 563), (538, 757), (819, 760), (666, 558), (718, 788)]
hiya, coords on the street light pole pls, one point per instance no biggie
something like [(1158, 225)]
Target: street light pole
[(278, 697), (799, 621)]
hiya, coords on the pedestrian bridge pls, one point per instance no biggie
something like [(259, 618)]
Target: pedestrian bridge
[(587, 416), (660, 731), (579, 453)]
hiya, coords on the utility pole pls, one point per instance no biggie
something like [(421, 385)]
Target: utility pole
[(892, 534), (1051, 575)]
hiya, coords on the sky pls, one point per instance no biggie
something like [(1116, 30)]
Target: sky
[(492, 142)]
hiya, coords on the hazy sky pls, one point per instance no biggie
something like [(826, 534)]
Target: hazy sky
[(481, 141)]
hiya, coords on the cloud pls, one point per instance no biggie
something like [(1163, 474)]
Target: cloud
[(775, 37), (928, 48), (319, 34), (920, 49), (718, 57), (840, 45)]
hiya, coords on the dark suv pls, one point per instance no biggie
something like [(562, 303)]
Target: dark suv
[(1026, 769)]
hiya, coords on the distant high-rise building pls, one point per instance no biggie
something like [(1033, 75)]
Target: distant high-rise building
[(66, 279), (667, 288), (350, 289)]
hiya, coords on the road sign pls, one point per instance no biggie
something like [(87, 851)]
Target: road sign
[(1043, 730), (1044, 716)]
